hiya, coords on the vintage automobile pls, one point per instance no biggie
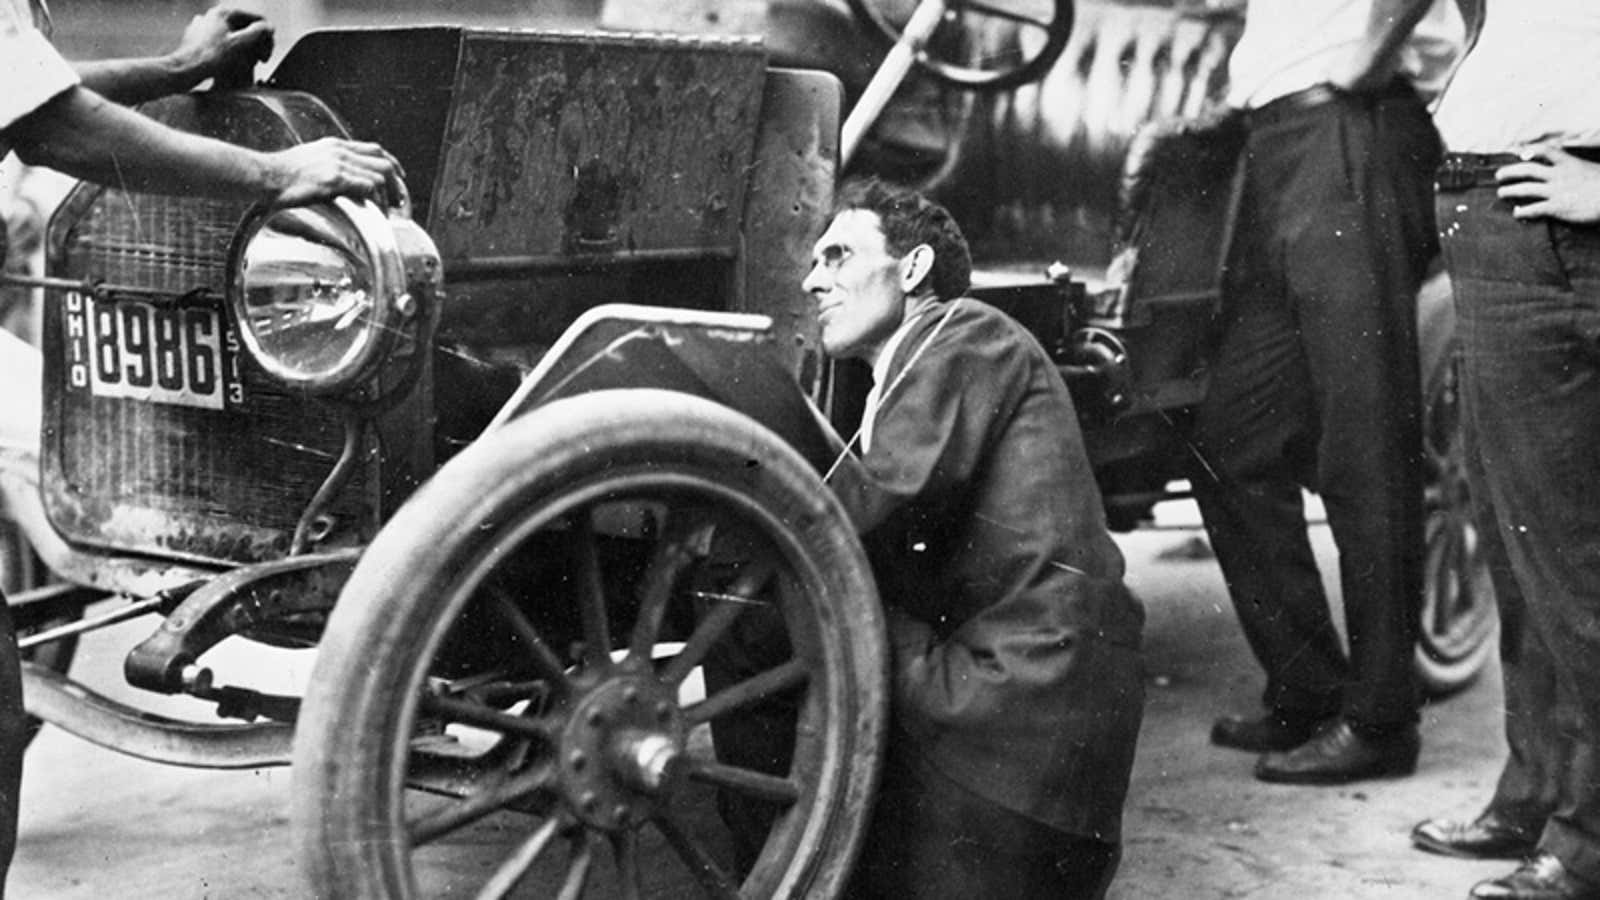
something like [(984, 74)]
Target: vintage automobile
[(516, 452)]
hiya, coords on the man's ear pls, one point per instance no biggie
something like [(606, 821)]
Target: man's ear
[(914, 267)]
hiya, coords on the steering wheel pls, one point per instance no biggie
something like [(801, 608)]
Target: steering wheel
[(1057, 29)]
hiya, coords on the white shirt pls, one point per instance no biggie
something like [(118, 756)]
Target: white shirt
[(1291, 45), (880, 379), (1533, 76), (31, 72)]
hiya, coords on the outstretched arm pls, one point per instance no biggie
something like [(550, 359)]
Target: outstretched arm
[(222, 41), (84, 135)]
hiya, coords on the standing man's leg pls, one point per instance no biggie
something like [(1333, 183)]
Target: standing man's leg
[(1539, 748), (1355, 265), (1251, 504), (1252, 447), (1337, 233), (1528, 298)]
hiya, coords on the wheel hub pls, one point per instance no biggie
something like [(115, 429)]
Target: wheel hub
[(622, 751)]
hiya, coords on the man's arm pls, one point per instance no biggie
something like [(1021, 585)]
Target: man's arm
[(1372, 61), (221, 41), (86, 136)]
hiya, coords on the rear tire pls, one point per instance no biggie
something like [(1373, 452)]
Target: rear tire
[(1458, 618)]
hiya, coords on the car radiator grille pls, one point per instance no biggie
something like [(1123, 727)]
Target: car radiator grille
[(222, 474)]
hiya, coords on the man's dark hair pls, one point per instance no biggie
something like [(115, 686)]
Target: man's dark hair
[(908, 219)]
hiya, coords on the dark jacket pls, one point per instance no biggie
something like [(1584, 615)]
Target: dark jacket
[(1016, 645)]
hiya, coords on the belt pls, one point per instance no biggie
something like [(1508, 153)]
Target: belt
[(1461, 171)]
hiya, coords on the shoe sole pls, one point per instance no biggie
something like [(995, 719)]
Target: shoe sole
[(1334, 778), (1220, 738), (1511, 854), (1249, 747)]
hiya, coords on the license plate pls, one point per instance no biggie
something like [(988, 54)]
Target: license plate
[(182, 355)]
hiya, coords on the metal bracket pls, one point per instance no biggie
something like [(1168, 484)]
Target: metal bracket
[(248, 599)]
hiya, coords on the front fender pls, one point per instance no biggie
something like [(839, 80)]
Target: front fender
[(728, 358)]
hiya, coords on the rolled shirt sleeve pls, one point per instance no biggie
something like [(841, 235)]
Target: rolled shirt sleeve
[(32, 73)]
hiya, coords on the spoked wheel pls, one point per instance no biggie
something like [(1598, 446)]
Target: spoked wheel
[(1003, 70), (503, 698), (1458, 616)]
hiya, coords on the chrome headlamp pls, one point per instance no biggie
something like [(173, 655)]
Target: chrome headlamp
[(320, 293)]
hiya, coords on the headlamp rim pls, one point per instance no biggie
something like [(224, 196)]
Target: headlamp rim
[(375, 232)]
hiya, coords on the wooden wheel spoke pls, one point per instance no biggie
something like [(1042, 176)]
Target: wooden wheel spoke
[(681, 545), (760, 785), (544, 659), (716, 882), (578, 871), (506, 693), (477, 805), (707, 632), (519, 862), (625, 848), (591, 590), (728, 606), (786, 677), (466, 712)]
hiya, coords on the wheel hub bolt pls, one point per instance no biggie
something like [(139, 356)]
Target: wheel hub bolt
[(649, 760)]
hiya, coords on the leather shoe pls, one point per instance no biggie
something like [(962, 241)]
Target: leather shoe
[(1339, 754), (1540, 878), (1489, 836), (1276, 729)]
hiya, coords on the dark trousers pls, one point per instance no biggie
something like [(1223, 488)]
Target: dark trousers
[(1528, 305), (929, 837), (932, 839), (1315, 383)]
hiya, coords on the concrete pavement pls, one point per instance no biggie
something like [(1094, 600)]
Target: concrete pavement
[(97, 825)]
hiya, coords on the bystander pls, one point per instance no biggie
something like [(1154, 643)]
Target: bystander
[(1315, 381), (1518, 201)]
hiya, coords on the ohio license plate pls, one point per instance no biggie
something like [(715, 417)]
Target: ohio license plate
[(183, 355)]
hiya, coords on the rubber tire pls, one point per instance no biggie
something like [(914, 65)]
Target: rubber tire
[(1458, 616), (352, 736)]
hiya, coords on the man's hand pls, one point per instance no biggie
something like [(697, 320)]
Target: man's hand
[(221, 41), (1552, 183), (331, 167)]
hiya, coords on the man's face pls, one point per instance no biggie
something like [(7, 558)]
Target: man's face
[(858, 286)]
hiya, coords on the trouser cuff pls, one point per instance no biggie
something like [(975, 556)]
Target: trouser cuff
[(1578, 852)]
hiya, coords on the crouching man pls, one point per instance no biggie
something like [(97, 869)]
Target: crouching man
[(1018, 690)]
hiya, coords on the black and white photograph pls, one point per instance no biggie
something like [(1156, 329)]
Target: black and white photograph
[(778, 449)]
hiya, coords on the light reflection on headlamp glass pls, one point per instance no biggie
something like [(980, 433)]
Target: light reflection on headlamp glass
[(308, 292)]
